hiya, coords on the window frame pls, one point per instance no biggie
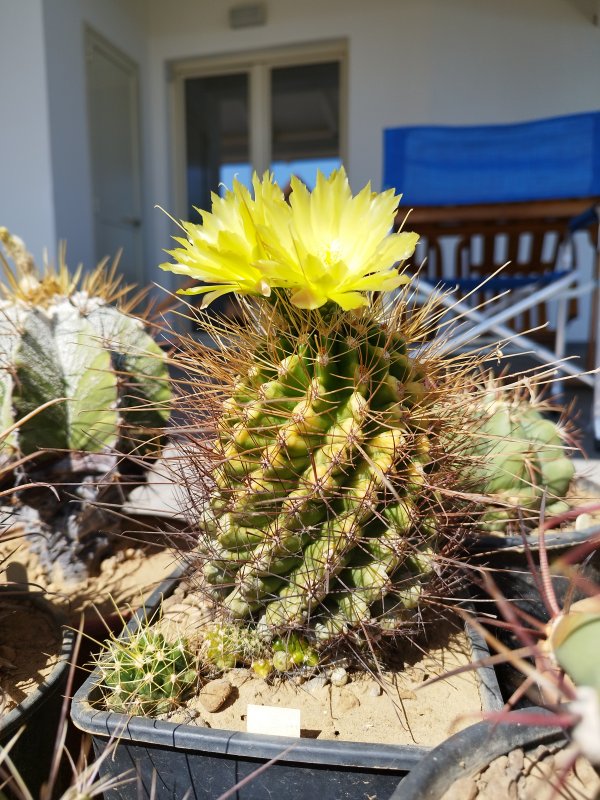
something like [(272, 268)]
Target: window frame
[(258, 65)]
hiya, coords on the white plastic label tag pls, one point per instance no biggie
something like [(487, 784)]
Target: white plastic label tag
[(273, 720)]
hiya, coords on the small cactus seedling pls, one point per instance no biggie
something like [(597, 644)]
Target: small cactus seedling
[(227, 645), (84, 396), (143, 673), (292, 652)]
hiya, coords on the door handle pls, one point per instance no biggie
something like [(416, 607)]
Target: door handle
[(135, 222)]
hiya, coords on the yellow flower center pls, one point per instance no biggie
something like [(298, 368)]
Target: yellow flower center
[(331, 252)]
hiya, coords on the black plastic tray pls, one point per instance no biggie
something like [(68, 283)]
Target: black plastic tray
[(173, 761)]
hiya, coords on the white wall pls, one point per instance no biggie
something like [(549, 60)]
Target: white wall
[(122, 22), (410, 62), (26, 202)]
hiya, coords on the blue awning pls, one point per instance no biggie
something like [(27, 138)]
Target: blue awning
[(544, 159)]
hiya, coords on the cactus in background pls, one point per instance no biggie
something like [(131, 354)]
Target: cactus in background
[(574, 641), (69, 349), (143, 673), (523, 457)]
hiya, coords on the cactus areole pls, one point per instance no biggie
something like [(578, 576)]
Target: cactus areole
[(336, 459), (82, 385)]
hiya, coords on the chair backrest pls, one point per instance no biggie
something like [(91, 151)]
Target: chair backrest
[(473, 241), (544, 159), (494, 188)]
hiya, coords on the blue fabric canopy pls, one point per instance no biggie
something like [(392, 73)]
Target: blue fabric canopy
[(459, 165)]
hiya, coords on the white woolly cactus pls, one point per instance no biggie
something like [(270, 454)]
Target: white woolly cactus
[(82, 385)]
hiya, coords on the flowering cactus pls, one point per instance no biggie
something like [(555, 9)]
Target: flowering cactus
[(339, 455)]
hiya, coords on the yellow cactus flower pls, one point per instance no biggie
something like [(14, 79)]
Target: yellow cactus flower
[(225, 251), (326, 245), (337, 246)]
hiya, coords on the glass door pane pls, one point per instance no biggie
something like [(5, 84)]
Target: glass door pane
[(217, 136), (217, 146), (305, 120)]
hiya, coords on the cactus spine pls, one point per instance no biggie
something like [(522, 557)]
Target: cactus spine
[(325, 508)]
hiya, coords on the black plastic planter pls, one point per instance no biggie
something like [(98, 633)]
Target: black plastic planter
[(39, 714), (175, 761), (472, 750)]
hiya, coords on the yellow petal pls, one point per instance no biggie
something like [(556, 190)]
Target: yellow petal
[(307, 298), (349, 300)]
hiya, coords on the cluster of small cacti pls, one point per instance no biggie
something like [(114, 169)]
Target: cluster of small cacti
[(523, 458), (144, 673), (82, 383), (292, 652), (228, 645)]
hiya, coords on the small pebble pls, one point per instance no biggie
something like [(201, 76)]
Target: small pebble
[(406, 694), (584, 521), (318, 682), (339, 677), (238, 676), (215, 694), (346, 703)]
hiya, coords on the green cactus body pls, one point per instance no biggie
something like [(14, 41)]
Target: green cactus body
[(114, 384), (324, 467), (227, 645), (522, 460)]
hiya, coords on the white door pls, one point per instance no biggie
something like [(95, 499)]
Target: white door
[(113, 113)]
